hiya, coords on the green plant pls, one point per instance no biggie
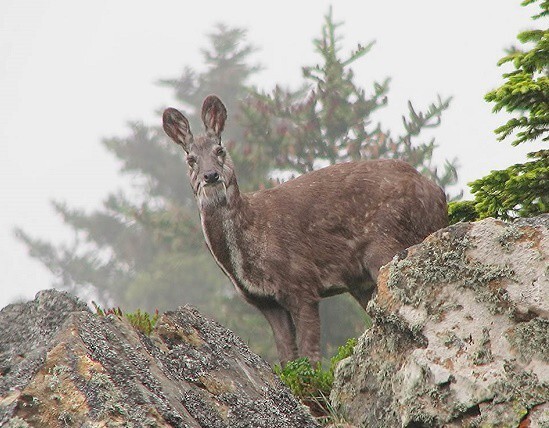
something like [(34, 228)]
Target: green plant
[(142, 321), (304, 380), (343, 352), (105, 312), (521, 190), (312, 385), (462, 211)]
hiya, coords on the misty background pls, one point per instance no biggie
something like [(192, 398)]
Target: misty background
[(74, 73)]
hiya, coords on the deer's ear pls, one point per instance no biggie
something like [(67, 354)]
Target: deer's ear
[(177, 127), (214, 115)]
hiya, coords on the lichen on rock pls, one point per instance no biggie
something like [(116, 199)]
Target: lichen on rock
[(460, 333), (61, 365)]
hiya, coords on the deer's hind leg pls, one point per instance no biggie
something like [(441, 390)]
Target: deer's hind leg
[(306, 318)]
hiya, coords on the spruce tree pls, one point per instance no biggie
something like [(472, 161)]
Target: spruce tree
[(146, 250), (330, 119), (521, 190)]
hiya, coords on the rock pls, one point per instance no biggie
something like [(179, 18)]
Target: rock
[(460, 334), (62, 365)]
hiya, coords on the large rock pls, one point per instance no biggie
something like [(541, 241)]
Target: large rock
[(460, 334), (61, 365)]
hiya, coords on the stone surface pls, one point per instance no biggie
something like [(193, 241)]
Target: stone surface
[(460, 335), (61, 365)]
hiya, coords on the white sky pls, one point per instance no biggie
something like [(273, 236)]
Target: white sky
[(74, 72)]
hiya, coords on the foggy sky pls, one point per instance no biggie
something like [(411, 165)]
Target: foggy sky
[(73, 72)]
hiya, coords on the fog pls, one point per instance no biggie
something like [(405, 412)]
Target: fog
[(72, 73)]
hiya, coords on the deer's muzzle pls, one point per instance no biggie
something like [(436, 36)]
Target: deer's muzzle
[(211, 177)]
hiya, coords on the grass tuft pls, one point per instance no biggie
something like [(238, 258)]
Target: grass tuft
[(142, 321)]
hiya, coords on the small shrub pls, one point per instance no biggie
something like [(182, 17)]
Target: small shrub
[(142, 321), (312, 385), (343, 352), (105, 312), (304, 380)]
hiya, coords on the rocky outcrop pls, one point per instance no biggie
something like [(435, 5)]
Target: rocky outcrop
[(460, 335), (61, 365)]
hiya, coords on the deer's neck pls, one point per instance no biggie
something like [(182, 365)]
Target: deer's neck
[(223, 225)]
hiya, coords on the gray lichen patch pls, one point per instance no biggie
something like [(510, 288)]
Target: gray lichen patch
[(392, 322), (108, 403), (99, 372), (174, 333), (52, 398), (520, 387), (509, 236), (525, 250), (216, 385), (17, 422), (444, 260), (483, 352), (390, 340), (410, 281), (54, 378), (531, 339)]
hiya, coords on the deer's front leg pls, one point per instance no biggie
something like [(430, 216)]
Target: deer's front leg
[(307, 321), (283, 330)]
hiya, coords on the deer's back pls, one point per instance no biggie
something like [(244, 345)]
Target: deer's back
[(347, 197), (334, 224)]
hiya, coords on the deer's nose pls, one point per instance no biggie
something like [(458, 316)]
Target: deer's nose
[(211, 177)]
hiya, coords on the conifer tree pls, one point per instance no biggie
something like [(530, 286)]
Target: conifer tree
[(140, 251), (330, 119), (521, 190)]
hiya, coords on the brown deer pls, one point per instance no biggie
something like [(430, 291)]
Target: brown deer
[(321, 234)]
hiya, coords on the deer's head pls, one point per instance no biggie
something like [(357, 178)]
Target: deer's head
[(211, 169)]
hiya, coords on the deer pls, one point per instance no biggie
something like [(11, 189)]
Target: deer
[(323, 233)]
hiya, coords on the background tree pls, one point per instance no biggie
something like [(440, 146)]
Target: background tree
[(522, 190), (145, 248), (329, 119)]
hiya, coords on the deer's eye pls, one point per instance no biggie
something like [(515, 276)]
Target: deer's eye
[(219, 151), (191, 160)]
